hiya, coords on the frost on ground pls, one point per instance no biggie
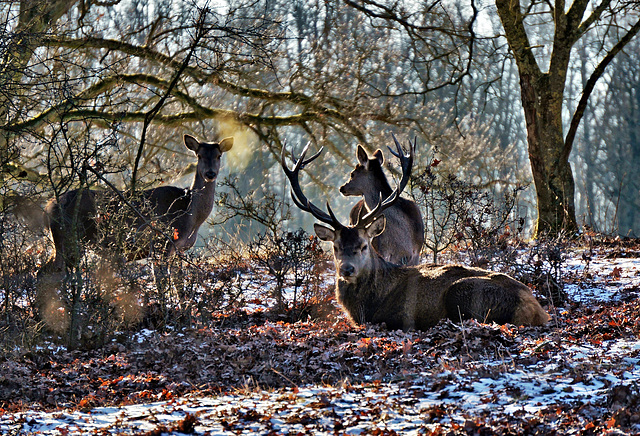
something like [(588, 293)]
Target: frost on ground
[(253, 375)]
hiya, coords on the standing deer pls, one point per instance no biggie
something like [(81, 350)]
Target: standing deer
[(403, 237), (77, 215), (373, 290)]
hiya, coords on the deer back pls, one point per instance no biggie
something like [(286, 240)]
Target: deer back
[(418, 297)]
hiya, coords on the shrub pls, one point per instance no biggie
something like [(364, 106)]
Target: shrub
[(462, 214), (290, 258)]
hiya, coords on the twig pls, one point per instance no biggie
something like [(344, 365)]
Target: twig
[(284, 377), (200, 33)]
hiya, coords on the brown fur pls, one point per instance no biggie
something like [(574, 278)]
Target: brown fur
[(75, 217), (403, 238), (372, 290)]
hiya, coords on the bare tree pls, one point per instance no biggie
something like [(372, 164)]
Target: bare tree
[(543, 61), (616, 137), (123, 63), (337, 72), (541, 37)]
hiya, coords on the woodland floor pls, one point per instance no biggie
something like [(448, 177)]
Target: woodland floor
[(251, 374)]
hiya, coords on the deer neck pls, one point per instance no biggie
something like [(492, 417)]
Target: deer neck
[(361, 297), (372, 195), (202, 199)]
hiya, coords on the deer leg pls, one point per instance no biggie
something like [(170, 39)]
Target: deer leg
[(56, 262)]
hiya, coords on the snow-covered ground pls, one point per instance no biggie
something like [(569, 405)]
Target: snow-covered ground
[(453, 394), (353, 409), (609, 279)]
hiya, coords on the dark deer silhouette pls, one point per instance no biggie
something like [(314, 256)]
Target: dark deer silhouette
[(75, 218), (372, 290), (403, 237)]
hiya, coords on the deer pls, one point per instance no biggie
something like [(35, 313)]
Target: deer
[(77, 215), (371, 289), (403, 237)]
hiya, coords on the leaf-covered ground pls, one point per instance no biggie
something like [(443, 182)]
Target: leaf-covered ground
[(249, 374)]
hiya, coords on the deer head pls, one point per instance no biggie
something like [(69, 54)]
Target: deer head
[(367, 175), (352, 251), (208, 154)]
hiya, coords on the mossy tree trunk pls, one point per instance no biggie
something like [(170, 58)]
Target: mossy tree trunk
[(550, 166), (541, 95)]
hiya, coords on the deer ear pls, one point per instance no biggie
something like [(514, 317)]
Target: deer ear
[(226, 144), (377, 227), (378, 155), (324, 233), (362, 156), (191, 143)]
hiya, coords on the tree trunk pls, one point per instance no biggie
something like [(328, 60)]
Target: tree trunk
[(542, 98), (552, 175)]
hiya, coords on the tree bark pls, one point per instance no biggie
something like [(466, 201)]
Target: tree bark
[(542, 97), (552, 175)]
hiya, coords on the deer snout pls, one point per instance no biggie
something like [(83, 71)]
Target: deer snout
[(346, 190), (210, 175), (347, 270)]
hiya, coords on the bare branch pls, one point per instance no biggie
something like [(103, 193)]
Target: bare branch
[(590, 85), (200, 32)]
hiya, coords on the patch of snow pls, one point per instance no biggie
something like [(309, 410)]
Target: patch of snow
[(609, 278)]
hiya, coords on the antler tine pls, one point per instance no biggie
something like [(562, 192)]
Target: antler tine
[(298, 196), (398, 146), (365, 220), (406, 163), (303, 162)]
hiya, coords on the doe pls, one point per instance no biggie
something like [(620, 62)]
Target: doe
[(403, 236), (75, 217)]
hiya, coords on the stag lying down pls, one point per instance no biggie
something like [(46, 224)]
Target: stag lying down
[(372, 290)]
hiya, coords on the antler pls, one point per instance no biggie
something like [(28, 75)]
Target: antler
[(406, 163), (298, 196)]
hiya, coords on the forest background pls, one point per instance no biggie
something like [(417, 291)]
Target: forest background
[(115, 84)]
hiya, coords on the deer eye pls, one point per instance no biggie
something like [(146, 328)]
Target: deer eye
[(364, 248)]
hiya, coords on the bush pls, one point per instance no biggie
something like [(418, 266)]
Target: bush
[(486, 227), (465, 215), (540, 267), (21, 253), (291, 258), (288, 257)]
